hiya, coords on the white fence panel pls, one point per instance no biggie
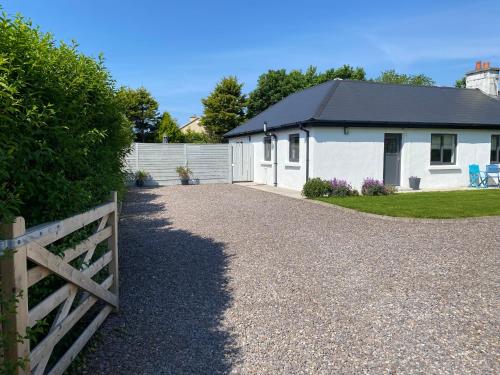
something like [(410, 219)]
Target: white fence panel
[(210, 163)]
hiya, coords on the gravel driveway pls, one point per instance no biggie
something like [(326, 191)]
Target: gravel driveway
[(222, 279)]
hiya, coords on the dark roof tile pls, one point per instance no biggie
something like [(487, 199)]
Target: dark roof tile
[(361, 102)]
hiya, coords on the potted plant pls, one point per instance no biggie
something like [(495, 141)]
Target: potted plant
[(184, 174), (140, 177), (414, 182)]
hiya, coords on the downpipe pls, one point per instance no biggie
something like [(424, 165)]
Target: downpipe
[(275, 159), (307, 150)]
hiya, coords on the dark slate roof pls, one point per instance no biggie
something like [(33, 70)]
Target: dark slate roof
[(361, 103)]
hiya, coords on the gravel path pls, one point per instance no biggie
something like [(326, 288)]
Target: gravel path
[(222, 279)]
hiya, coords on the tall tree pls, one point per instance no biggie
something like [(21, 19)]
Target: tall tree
[(224, 108), (277, 84), (142, 111), (390, 76), (169, 128)]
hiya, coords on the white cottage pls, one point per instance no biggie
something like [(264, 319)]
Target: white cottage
[(355, 129)]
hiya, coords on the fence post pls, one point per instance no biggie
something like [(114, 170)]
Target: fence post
[(230, 159), (113, 244), (14, 276), (136, 149)]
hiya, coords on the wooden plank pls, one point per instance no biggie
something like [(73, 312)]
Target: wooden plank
[(62, 328), (62, 314), (45, 258), (42, 309), (74, 223), (90, 253), (38, 273), (113, 246), (78, 345), (14, 276)]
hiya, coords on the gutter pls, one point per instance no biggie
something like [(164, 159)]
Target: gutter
[(375, 124), (301, 126)]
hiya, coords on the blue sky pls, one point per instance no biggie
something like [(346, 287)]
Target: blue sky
[(180, 49)]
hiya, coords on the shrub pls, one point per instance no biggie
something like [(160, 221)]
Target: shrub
[(372, 186), (340, 188), (391, 189), (63, 131), (316, 187), (64, 137)]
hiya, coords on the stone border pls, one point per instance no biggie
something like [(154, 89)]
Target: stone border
[(478, 219)]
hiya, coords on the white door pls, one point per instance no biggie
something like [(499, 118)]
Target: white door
[(242, 161)]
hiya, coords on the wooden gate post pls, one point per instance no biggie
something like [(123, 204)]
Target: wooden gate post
[(14, 277), (113, 244)]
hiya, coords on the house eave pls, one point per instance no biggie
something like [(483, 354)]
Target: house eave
[(371, 124)]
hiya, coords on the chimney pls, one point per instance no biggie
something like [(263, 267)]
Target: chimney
[(484, 78)]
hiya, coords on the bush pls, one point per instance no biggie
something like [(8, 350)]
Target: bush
[(340, 188), (372, 186), (63, 131), (64, 137), (316, 187)]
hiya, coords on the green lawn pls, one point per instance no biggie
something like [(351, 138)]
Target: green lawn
[(436, 205)]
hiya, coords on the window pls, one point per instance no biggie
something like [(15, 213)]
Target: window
[(443, 148), (495, 149), (267, 148), (293, 147)]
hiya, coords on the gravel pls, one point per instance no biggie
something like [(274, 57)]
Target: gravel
[(220, 279)]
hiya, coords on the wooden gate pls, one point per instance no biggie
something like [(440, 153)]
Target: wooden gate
[(73, 300), (242, 161)]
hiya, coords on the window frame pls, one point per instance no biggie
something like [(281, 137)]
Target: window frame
[(441, 149), (291, 144), (267, 153), (497, 150)]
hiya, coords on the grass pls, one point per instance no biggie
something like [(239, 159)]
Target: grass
[(434, 205)]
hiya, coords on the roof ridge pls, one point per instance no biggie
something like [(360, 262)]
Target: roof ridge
[(372, 82), (326, 99)]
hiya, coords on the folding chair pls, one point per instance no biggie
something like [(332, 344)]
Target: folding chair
[(477, 178), (492, 172)]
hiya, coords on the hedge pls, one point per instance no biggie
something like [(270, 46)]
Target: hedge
[(63, 138), (63, 132)]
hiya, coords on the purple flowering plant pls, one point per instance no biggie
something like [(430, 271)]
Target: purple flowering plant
[(372, 186), (341, 188)]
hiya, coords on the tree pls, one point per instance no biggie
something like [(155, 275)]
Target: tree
[(460, 83), (195, 137), (390, 76), (141, 110), (224, 108), (277, 84), (169, 128)]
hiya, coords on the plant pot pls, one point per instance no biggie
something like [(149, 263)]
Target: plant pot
[(414, 183), (184, 181), (139, 183)]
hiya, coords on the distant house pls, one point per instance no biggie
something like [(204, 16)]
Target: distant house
[(193, 125), (355, 129)]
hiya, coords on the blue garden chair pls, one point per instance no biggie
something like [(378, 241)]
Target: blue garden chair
[(492, 172), (477, 178)]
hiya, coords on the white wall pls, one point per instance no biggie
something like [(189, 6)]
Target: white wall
[(290, 175), (473, 147), (360, 154), (351, 157)]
